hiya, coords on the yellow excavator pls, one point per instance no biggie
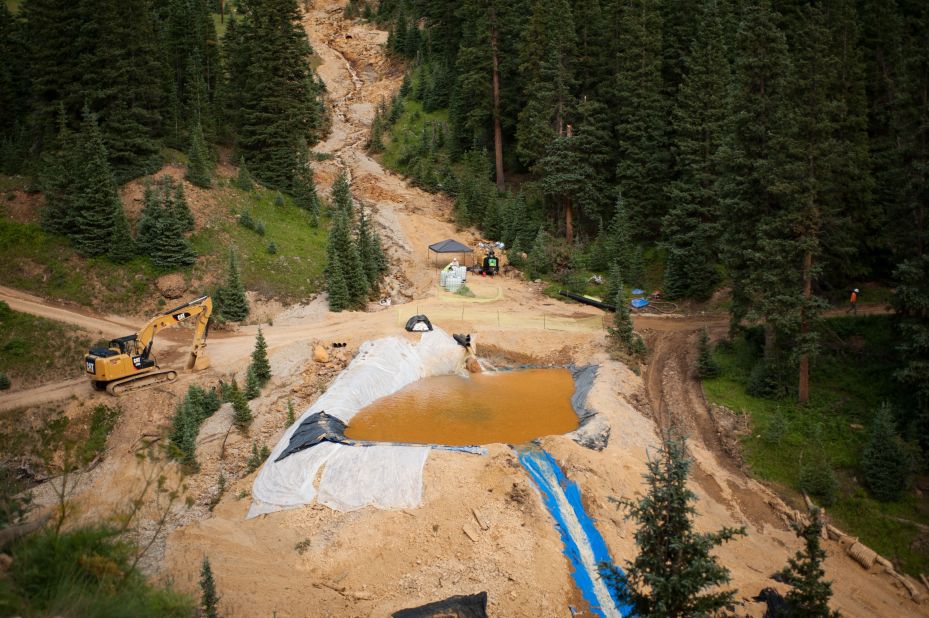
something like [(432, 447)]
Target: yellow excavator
[(127, 363)]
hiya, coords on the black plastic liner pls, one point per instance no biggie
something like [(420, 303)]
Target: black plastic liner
[(418, 319), (459, 606), (316, 428), (599, 304)]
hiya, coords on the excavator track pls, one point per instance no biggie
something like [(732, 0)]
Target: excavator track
[(127, 385)]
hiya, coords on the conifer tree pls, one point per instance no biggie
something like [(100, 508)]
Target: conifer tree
[(884, 460), (546, 62), (341, 194), (275, 104), (241, 412), (200, 165), (641, 111), (336, 286), (762, 189), (304, 190), (707, 367), (260, 358), (243, 178), (291, 415), (367, 250), (209, 599), (122, 247), (621, 330), (674, 569), (911, 302), (342, 249), (252, 383), (180, 209), (809, 594), (96, 206), (58, 177), (692, 225), (234, 304)]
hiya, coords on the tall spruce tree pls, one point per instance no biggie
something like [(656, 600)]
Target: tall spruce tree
[(336, 286), (546, 63), (762, 189), (233, 303), (809, 594), (884, 459), (209, 599), (276, 89), (641, 116), (367, 250), (260, 358), (342, 194), (200, 163), (96, 207), (692, 226), (674, 571)]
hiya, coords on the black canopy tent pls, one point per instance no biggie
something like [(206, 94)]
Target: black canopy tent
[(451, 246)]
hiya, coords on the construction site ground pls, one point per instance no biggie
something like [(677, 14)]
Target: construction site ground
[(481, 526)]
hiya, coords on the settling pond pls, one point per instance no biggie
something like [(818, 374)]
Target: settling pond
[(510, 407)]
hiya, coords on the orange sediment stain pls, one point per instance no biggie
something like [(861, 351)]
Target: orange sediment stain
[(511, 407)]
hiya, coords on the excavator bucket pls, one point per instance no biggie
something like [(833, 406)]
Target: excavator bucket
[(197, 362)]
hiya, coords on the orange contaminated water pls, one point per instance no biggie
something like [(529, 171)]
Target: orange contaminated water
[(511, 407)]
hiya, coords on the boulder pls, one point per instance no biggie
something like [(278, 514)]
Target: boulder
[(320, 355), (171, 286)]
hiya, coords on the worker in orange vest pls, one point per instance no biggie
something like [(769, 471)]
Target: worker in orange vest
[(853, 302)]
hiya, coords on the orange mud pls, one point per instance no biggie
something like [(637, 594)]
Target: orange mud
[(511, 407)]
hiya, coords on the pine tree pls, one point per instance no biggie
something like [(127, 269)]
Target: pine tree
[(252, 383), (911, 302), (692, 225), (180, 209), (209, 600), (341, 194), (546, 62), (260, 358), (342, 249), (367, 249), (200, 165), (707, 367), (243, 178), (762, 204), (96, 207), (291, 416), (234, 304), (304, 190), (336, 286), (884, 460), (5, 382), (621, 330), (674, 568), (276, 102), (241, 412), (642, 112), (809, 594)]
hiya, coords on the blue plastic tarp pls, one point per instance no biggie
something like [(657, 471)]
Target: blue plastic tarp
[(638, 303), (638, 291)]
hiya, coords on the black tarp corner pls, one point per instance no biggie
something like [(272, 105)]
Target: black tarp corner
[(413, 322), (316, 428), (459, 606)]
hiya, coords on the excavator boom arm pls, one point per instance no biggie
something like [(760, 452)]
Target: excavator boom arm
[(199, 308)]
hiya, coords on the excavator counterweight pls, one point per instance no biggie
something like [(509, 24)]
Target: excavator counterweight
[(127, 363)]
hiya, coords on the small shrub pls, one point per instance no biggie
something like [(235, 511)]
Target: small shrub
[(208, 597), (767, 380), (5, 382), (241, 413), (884, 460), (817, 478), (707, 367), (290, 413), (302, 546), (257, 457), (252, 383), (777, 429), (278, 200), (260, 228), (272, 248)]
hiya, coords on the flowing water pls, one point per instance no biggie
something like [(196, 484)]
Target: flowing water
[(511, 407)]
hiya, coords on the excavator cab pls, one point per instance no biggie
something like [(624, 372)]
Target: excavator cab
[(127, 363)]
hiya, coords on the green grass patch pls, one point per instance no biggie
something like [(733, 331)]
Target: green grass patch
[(849, 380), (45, 264), (83, 572), (294, 272), (33, 348), (405, 133)]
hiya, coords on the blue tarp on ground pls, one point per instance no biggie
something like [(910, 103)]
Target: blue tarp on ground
[(638, 303)]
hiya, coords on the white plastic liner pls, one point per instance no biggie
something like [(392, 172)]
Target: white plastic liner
[(384, 476)]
